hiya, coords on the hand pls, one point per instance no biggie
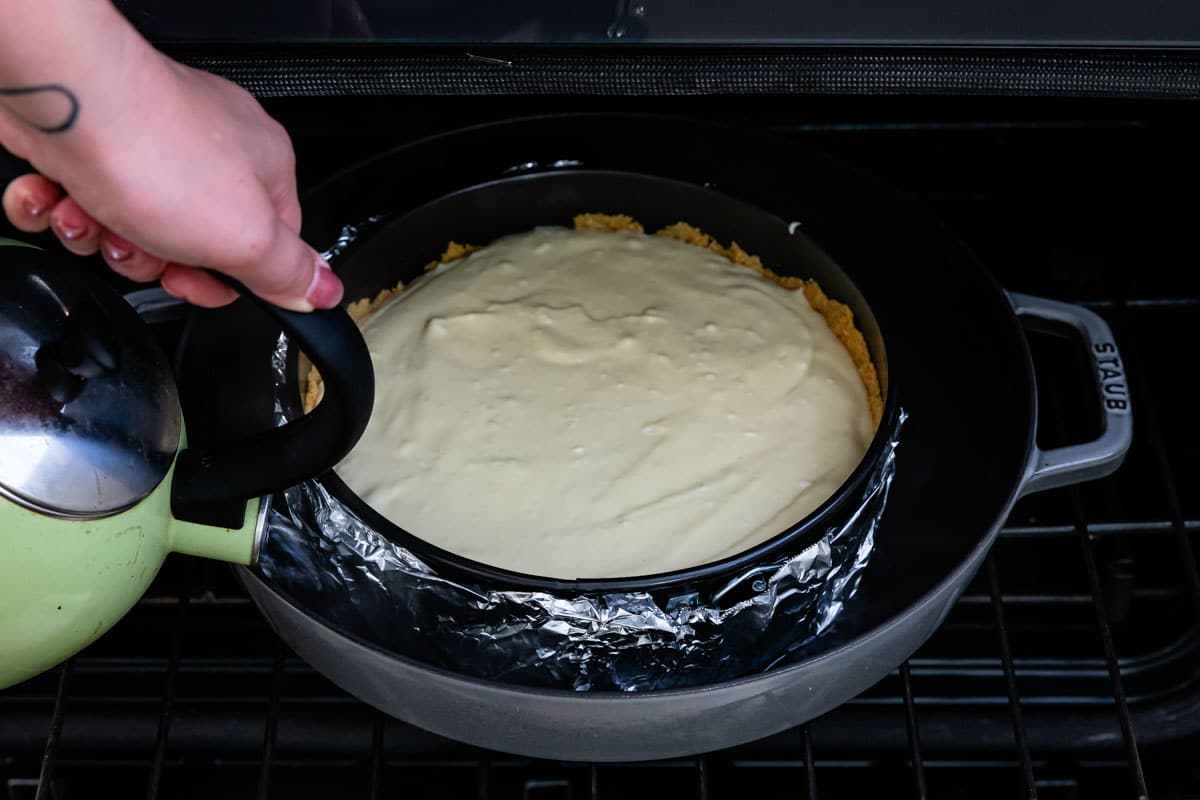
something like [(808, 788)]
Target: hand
[(179, 169)]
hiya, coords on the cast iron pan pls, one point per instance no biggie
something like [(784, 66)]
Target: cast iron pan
[(956, 355)]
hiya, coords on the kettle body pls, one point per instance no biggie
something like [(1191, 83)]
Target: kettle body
[(64, 582), (97, 482)]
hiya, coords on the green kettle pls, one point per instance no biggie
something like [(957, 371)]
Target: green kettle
[(97, 483)]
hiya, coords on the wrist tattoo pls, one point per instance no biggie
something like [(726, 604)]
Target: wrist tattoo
[(49, 108)]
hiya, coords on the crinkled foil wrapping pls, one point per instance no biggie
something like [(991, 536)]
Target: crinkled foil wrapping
[(331, 562)]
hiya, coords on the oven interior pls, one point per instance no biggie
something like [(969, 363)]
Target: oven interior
[(1070, 668)]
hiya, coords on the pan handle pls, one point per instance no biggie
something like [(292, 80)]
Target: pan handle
[(1062, 466), (211, 485)]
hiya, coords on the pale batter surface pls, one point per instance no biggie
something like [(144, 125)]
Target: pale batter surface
[(603, 404)]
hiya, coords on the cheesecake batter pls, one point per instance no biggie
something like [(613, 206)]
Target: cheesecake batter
[(603, 404)]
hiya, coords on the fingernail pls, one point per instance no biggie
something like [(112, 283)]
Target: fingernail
[(71, 231), (33, 207), (117, 248), (325, 291)]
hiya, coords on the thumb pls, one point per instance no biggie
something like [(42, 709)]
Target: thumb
[(288, 273)]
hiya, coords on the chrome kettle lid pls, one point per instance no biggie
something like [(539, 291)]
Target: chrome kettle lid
[(89, 413)]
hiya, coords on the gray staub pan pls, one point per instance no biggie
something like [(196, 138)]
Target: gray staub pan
[(957, 359)]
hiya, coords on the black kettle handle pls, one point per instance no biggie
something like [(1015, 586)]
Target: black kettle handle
[(211, 485)]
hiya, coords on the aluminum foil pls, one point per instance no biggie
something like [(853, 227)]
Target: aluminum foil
[(333, 564)]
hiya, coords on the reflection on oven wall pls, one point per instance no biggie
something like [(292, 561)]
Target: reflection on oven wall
[(975, 22), (426, 21)]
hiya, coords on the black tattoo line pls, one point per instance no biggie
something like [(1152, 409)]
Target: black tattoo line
[(51, 88)]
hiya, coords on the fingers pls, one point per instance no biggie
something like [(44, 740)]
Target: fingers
[(196, 286), (28, 201), (32, 203), (270, 259), (75, 228), (283, 270), (127, 260)]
